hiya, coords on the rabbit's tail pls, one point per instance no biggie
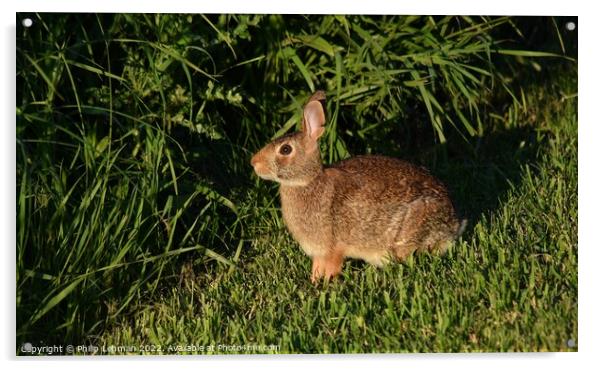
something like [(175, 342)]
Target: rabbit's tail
[(461, 227)]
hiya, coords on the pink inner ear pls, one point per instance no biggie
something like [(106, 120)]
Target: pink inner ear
[(313, 116)]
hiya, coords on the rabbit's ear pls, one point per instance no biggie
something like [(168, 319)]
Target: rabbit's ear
[(313, 119), (318, 96)]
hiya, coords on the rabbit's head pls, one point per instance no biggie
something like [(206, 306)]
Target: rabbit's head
[(294, 159)]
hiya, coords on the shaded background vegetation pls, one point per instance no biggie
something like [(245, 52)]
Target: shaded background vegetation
[(134, 133)]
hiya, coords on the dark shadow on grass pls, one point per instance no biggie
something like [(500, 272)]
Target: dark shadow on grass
[(480, 179)]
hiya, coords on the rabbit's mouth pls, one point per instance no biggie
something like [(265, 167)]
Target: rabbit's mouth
[(267, 176), (264, 173)]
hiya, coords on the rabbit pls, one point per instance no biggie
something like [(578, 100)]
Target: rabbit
[(375, 208)]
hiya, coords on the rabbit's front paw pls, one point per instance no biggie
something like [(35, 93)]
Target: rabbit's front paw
[(328, 266), (317, 269)]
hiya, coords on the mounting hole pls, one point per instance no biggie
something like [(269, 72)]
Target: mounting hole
[(571, 26)]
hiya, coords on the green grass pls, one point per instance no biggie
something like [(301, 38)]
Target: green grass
[(510, 284), (140, 222)]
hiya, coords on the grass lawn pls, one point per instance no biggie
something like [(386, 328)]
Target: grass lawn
[(141, 227), (510, 283)]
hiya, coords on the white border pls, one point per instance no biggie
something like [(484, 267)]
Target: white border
[(465, 7), (589, 184)]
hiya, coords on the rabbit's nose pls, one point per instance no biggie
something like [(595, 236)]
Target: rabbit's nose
[(254, 160)]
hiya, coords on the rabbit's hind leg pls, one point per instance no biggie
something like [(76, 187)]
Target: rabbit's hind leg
[(412, 232), (441, 235), (403, 250), (440, 239), (427, 227)]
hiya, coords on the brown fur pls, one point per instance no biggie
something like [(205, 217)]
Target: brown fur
[(373, 208)]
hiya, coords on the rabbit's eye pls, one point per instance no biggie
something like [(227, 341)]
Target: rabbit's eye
[(286, 149)]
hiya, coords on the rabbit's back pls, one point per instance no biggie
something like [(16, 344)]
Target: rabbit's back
[(388, 207), (382, 177)]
